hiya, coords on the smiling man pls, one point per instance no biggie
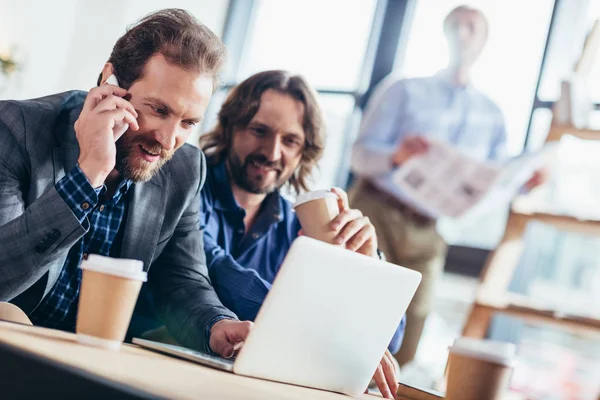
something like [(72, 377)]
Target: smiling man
[(71, 185), (270, 135)]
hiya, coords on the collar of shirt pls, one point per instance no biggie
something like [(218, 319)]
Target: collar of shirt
[(243, 264), (270, 211), (446, 79), (121, 190)]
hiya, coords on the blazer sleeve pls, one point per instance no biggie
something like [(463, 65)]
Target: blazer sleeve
[(185, 298), (32, 236)]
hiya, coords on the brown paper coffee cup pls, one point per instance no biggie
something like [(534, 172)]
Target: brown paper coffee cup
[(315, 211), (108, 294), (479, 369)]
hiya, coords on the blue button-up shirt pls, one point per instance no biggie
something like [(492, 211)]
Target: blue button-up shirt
[(59, 308), (242, 266), (432, 107)]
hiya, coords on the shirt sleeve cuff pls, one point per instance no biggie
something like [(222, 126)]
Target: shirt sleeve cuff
[(208, 329), (77, 191)]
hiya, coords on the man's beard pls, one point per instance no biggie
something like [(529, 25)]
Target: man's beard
[(133, 167), (240, 176)]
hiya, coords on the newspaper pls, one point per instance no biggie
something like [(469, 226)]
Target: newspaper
[(446, 182)]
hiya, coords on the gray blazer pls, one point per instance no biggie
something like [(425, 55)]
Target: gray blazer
[(37, 228)]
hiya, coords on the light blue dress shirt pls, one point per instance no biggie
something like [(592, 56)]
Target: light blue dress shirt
[(432, 107)]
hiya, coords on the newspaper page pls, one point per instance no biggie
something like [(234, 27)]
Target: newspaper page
[(449, 183)]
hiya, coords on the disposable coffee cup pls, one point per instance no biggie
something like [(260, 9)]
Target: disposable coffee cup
[(108, 294), (315, 211), (479, 369)]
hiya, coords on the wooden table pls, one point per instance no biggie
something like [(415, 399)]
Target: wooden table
[(43, 363)]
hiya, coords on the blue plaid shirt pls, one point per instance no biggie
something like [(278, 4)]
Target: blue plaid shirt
[(58, 309)]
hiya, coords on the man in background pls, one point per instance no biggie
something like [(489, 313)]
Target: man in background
[(400, 119), (269, 136)]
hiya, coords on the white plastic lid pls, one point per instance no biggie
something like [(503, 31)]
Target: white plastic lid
[(125, 268), (488, 350), (314, 195)]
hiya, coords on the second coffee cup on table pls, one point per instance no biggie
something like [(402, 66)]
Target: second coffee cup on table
[(479, 369), (315, 211), (109, 291)]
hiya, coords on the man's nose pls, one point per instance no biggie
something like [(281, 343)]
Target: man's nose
[(166, 135), (272, 149)]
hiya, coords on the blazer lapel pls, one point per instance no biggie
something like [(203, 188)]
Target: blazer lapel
[(145, 218)]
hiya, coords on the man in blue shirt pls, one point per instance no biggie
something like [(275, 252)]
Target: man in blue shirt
[(269, 136), (400, 118)]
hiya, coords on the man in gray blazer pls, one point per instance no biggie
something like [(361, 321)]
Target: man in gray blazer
[(70, 184)]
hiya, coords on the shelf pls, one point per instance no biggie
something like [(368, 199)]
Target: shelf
[(493, 295), (524, 307), (564, 222), (556, 132)]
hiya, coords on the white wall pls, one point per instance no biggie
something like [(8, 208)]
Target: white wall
[(42, 41), (65, 43)]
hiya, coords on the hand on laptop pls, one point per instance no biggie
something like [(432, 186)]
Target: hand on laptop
[(355, 230), (386, 376), (227, 336)]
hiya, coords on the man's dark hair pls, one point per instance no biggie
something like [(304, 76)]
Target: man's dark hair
[(174, 33)]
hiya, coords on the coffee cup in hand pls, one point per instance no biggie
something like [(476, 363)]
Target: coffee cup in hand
[(315, 211), (108, 294)]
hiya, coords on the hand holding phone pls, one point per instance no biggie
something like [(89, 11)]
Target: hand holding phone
[(121, 127), (105, 116)]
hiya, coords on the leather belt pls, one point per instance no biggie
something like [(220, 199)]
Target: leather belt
[(406, 210)]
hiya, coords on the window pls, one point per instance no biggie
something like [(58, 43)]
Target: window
[(210, 12), (325, 41), (566, 44), (337, 110)]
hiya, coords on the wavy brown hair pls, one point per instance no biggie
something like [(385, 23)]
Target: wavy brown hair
[(242, 104), (177, 35)]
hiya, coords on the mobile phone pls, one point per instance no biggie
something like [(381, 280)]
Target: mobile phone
[(121, 127)]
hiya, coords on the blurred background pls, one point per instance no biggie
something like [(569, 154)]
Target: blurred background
[(344, 48)]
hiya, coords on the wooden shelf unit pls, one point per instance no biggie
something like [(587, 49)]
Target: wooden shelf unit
[(493, 296)]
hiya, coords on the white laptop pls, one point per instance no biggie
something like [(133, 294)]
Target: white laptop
[(325, 323)]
